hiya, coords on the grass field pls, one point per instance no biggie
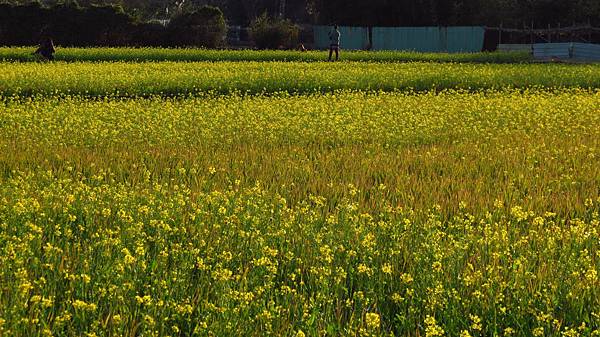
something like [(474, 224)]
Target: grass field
[(335, 200)]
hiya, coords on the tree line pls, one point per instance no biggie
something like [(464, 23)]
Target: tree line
[(510, 13), (70, 24), (204, 22), (515, 13)]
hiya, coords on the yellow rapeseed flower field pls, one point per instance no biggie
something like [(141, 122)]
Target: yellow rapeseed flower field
[(191, 78), (23, 54), (352, 212)]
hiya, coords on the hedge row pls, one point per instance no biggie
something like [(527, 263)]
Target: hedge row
[(71, 25)]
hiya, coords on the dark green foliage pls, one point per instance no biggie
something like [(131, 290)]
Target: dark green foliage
[(272, 33), (512, 13), (202, 28), (21, 24), (107, 25), (149, 34), (67, 24)]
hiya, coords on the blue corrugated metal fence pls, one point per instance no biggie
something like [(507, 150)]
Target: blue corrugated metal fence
[(567, 51), (354, 38), (422, 39), (586, 52)]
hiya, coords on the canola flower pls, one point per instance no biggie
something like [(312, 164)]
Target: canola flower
[(193, 78), (23, 54), (496, 151), (349, 213), (171, 261), (373, 320)]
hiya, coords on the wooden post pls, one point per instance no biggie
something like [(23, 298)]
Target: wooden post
[(531, 34), (500, 32), (282, 9), (549, 35)]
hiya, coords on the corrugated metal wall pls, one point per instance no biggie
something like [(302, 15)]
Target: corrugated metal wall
[(586, 52), (465, 39), (422, 39), (353, 38), (425, 39), (429, 39), (567, 51), (546, 51)]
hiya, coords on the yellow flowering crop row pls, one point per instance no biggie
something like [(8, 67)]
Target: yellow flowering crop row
[(348, 213), (537, 149), (181, 79), (24, 54)]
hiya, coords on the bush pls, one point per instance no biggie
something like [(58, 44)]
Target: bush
[(67, 23), (107, 25), (149, 34), (203, 28), (21, 25), (71, 25), (269, 33)]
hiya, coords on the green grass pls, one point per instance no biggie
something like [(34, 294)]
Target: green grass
[(23, 54), (181, 79)]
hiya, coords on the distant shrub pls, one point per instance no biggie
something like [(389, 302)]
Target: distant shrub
[(71, 25), (149, 34), (106, 26), (202, 28), (271, 33), (21, 25), (67, 23)]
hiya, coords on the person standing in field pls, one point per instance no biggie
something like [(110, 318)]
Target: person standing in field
[(334, 42), (46, 48)]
